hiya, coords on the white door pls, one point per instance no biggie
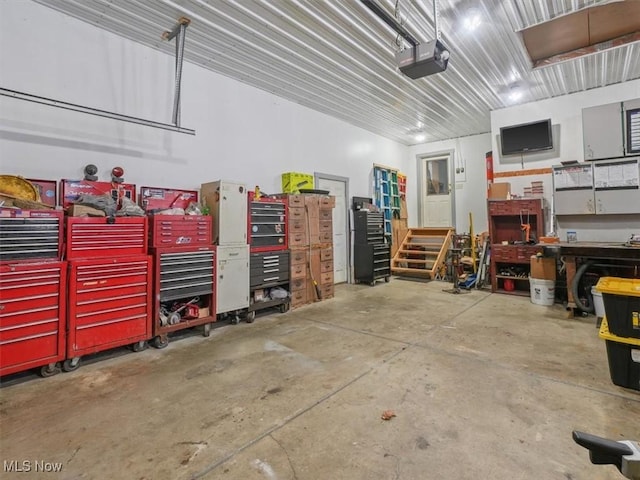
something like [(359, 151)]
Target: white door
[(436, 192), (338, 189)]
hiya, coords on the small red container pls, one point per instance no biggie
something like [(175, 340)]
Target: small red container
[(91, 237), (109, 303), (32, 315), (179, 230), (267, 223)]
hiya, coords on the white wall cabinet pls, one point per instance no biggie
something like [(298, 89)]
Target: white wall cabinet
[(602, 188), (602, 131)]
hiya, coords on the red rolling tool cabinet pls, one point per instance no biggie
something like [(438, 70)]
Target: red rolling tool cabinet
[(109, 299), (267, 223), (32, 291), (183, 291), (109, 305), (32, 316)]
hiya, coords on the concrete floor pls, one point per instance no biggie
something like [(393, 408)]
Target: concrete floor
[(483, 387)]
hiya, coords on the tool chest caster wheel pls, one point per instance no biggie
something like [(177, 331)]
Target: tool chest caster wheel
[(372, 283), (139, 346), (284, 308), (207, 329), (250, 316), (49, 370), (235, 320), (71, 364), (161, 341), (387, 279)]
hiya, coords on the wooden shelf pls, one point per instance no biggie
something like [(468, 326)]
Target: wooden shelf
[(505, 219)]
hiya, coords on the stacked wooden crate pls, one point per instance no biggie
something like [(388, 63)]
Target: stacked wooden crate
[(311, 245)]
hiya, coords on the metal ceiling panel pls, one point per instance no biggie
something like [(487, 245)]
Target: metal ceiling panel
[(337, 58)]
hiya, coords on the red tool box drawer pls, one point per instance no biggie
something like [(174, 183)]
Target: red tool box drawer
[(32, 316), (106, 237), (30, 234), (109, 303), (267, 223), (179, 230)]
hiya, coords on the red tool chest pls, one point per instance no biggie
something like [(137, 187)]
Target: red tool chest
[(182, 275), (109, 305), (70, 190), (32, 316), (267, 223), (179, 230), (106, 236), (156, 199), (30, 234)]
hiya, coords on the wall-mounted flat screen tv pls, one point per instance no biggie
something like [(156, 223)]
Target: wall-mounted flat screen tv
[(527, 137)]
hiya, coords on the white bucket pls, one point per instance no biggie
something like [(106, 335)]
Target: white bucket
[(543, 292), (598, 302)]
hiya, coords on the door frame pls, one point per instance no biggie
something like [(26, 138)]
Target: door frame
[(345, 180), (420, 159)]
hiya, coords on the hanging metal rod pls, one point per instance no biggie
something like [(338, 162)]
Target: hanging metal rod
[(387, 18), (179, 32), (92, 111)]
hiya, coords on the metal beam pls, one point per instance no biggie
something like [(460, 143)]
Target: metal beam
[(383, 15), (92, 111), (179, 33)]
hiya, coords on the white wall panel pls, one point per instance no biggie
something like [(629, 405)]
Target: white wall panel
[(470, 187), (242, 133)]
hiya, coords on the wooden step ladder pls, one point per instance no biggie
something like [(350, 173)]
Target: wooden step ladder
[(422, 252)]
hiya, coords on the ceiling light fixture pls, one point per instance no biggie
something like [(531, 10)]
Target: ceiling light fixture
[(420, 137), (472, 20), (515, 95)]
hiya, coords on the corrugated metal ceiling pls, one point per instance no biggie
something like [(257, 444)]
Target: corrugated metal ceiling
[(337, 58)]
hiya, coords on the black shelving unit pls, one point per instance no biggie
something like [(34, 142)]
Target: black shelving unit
[(372, 253)]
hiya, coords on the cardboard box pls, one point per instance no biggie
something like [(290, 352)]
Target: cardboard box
[(499, 191), (204, 312), (543, 268), (84, 211)]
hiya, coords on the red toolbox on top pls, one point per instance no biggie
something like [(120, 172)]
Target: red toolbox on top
[(179, 230), (184, 290), (109, 305), (30, 234), (156, 199), (70, 190), (91, 237), (267, 223), (32, 316)]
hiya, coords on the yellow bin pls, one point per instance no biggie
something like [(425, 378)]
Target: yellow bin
[(621, 298)]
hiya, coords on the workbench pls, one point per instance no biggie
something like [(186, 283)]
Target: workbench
[(571, 252)]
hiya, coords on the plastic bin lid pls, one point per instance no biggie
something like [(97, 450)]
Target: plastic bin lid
[(619, 286), (605, 334)]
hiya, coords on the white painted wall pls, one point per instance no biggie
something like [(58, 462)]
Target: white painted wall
[(242, 133), (566, 116), (470, 186)]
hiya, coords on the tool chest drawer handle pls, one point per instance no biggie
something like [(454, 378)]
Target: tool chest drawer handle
[(270, 279), (270, 271)]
